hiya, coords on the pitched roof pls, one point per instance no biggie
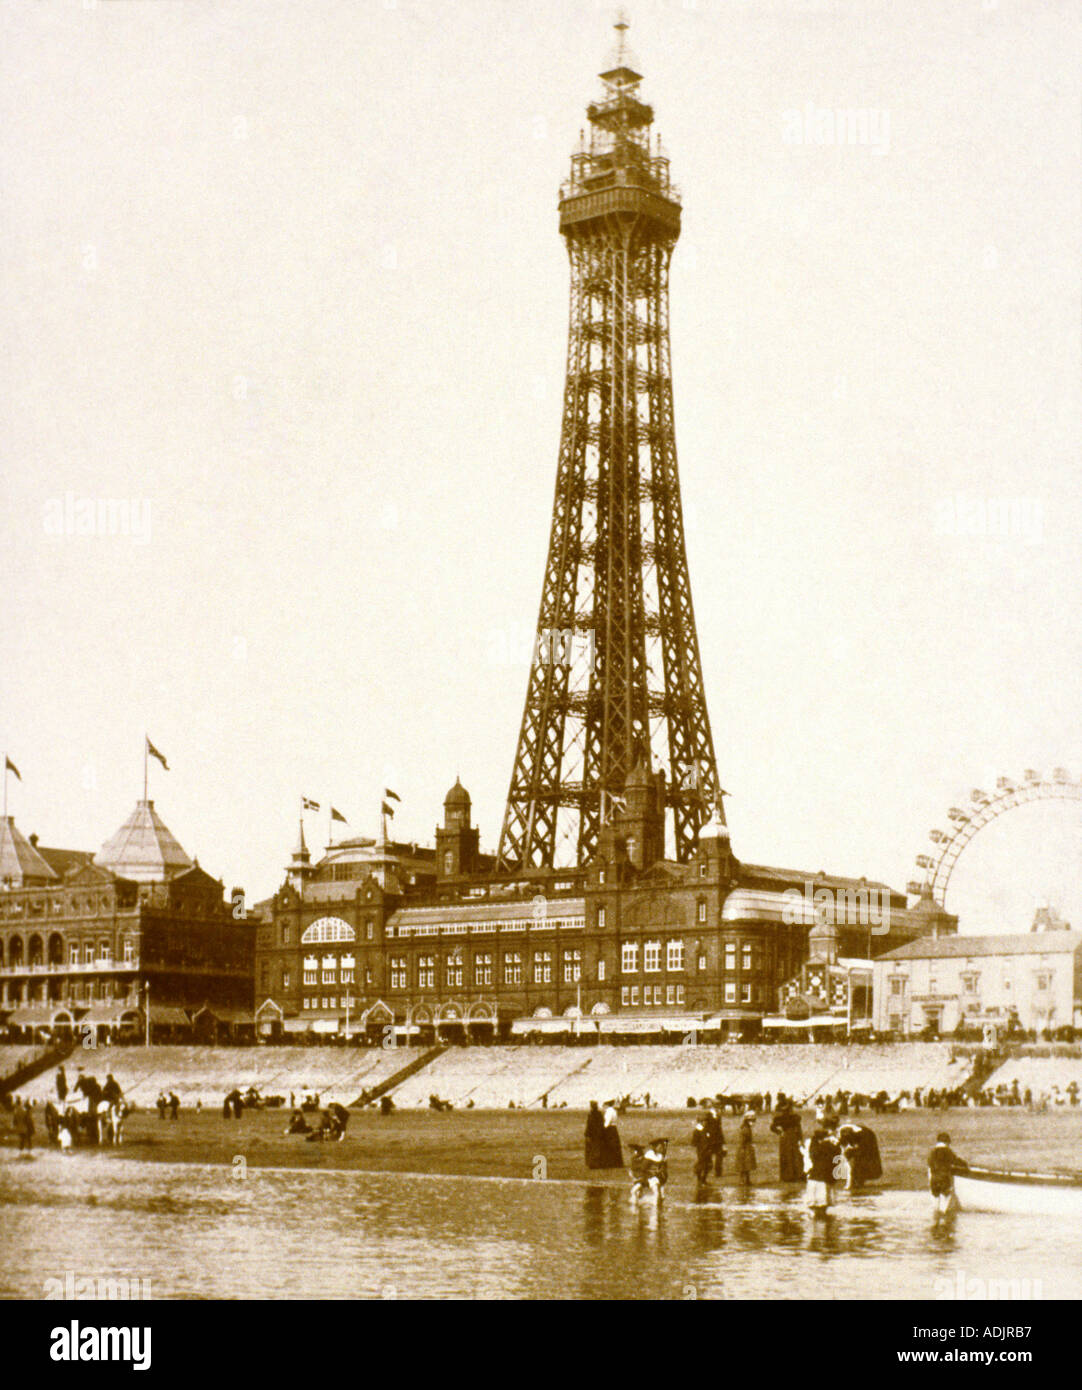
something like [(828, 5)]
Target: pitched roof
[(945, 947), (20, 863), (64, 860), (143, 849)]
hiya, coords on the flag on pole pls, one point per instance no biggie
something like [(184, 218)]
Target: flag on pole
[(387, 810), (155, 754), (390, 795), (337, 815), (307, 804), (9, 766)]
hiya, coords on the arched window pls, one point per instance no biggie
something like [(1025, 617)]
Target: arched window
[(328, 929)]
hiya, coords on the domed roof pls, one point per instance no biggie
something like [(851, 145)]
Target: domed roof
[(20, 863), (143, 849), (457, 796), (715, 828)]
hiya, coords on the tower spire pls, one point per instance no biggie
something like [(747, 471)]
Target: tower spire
[(616, 673)]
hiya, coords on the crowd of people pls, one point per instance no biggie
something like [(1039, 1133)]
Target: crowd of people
[(83, 1115)]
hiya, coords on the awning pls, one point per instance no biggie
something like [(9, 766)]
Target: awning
[(226, 1013), (295, 1025), (25, 1016), (522, 1026), (168, 1015), (325, 1025), (103, 1013), (631, 1023), (816, 1021)]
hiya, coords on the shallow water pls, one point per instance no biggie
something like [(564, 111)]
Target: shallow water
[(197, 1231)]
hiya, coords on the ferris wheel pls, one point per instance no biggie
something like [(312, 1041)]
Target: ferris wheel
[(984, 807)]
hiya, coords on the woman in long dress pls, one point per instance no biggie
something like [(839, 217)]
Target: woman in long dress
[(612, 1155), (745, 1150), (786, 1125), (595, 1131)]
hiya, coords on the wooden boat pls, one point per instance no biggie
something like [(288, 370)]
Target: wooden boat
[(1024, 1193)]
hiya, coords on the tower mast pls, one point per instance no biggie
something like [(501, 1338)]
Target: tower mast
[(616, 677)]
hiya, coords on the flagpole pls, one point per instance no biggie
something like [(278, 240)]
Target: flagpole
[(146, 745), (5, 788)]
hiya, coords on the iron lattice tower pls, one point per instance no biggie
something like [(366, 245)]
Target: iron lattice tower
[(615, 677)]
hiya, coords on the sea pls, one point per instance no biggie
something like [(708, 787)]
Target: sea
[(191, 1231)]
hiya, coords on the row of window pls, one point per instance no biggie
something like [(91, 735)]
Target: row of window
[(970, 982), (603, 916), (485, 968), (750, 957), (651, 995), (88, 954)]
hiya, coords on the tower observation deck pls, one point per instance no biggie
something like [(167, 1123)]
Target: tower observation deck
[(615, 679)]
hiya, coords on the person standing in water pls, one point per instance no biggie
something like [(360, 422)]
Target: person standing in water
[(822, 1164), (595, 1131), (943, 1163), (745, 1149), (612, 1155)]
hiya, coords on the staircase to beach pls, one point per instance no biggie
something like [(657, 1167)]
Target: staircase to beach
[(402, 1074), (32, 1064)]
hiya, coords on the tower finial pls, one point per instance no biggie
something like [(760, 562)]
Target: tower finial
[(621, 26)]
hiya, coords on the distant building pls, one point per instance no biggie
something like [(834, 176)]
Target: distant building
[(83, 936), (381, 937), (1034, 979)]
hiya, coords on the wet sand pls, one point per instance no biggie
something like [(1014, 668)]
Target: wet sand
[(549, 1144)]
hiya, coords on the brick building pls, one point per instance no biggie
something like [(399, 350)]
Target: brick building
[(85, 936), (432, 942)]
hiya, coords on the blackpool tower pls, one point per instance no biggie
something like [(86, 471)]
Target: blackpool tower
[(615, 681)]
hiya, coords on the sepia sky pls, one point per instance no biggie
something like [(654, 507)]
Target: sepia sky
[(285, 280)]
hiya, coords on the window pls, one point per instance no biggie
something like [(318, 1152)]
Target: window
[(1044, 979), (327, 929), (897, 984), (482, 969), (702, 961), (600, 879), (285, 979), (634, 994), (426, 972), (745, 957), (572, 967), (454, 972), (670, 994), (90, 989), (651, 953), (310, 977), (680, 995), (702, 870), (329, 975), (542, 968), (370, 929), (657, 994), (702, 911), (745, 992), (129, 950), (600, 970), (347, 974), (73, 955), (625, 995), (629, 958), (601, 918), (730, 955), (674, 955), (730, 992), (104, 952), (969, 982), (287, 934), (512, 968), (448, 861), (88, 953), (398, 972)]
